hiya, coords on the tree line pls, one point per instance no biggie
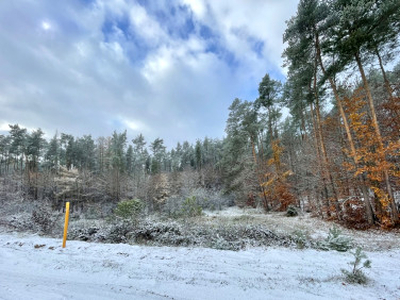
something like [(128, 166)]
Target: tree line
[(336, 154), (109, 168)]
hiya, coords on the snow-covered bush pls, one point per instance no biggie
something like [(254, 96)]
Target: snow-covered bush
[(300, 238), (336, 241), (211, 199), (177, 207), (21, 222), (291, 211), (172, 207), (179, 233), (222, 244), (170, 234), (119, 232), (190, 208), (226, 237), (43, 219)]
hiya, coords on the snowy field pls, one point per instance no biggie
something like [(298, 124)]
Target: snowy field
[(33, 267)]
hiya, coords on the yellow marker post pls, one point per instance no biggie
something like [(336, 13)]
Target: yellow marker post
[(66, 224)]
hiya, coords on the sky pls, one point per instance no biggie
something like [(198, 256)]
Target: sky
[(167, 69)]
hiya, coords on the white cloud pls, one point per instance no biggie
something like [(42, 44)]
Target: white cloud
[(175, 54), (238, 20), (135, 125), (4, 126), (114, 51), (157, 64), (146, 26), (73, 76), (197, 6)]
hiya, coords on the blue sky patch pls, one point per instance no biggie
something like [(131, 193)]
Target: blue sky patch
[(257, 46), (177, 21), (112, 23), (135, 47)]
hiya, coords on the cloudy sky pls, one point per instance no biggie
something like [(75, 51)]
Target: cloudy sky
[(166, 69)]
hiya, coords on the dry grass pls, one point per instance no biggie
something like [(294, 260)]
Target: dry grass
[(277, 222), (317, 229)]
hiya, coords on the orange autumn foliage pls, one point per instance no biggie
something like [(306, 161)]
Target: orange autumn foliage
[(372, 159), (276, 188)]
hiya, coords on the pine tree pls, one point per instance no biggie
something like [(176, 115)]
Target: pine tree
[(18, 138), (5, 145), (118, 162), (52, 154), (158, 149), (129, 160), (35, 144)]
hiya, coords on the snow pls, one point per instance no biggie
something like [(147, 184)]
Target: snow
[(315, 228), (120, 271), (234, 211)]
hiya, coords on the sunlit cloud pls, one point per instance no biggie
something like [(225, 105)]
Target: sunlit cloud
[(135, 125), (46, 25), (4, 126)]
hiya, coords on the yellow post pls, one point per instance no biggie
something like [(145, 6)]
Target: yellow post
[(66, 224)]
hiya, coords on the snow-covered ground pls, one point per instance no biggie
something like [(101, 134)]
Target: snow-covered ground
[(316, 228), (33, 267)]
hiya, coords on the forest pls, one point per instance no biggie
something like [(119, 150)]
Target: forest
[(325, 141)]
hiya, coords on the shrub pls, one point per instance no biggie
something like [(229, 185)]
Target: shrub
[(356, 275), (210, 199), (43, 219), (172, 207), (129, 210), (190, 208), (299, 237), (336, 241), (195, 201), (120, 232), (221, 244), (177, 207), (291, 211)]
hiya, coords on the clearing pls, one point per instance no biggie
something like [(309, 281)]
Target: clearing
[(35, 267)]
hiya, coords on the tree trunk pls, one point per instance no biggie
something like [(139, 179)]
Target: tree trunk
[(320, 167), (385, 79), (395, 213), (259, 175), (323, 147), (270, 132), (367, 204), (338, 101)]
